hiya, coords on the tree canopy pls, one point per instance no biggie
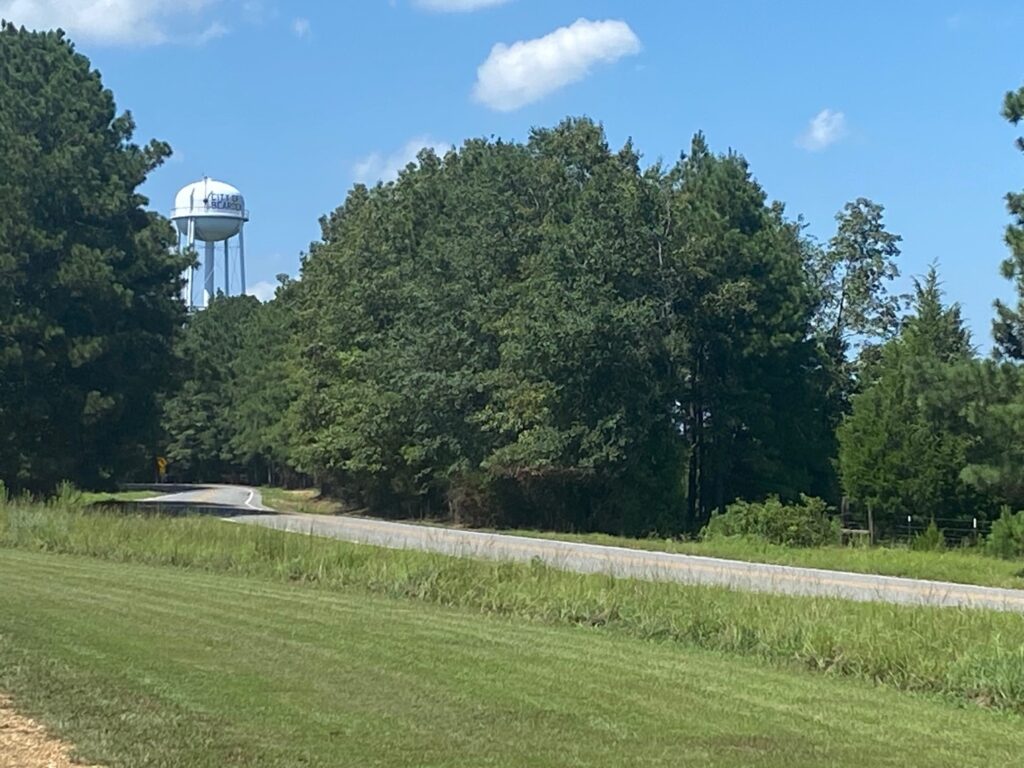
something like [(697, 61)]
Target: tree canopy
[(538, 333), (88, 284), (900, 449)]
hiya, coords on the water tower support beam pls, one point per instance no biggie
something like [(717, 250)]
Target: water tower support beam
[(208, 293), (190, 241), (184, 291), (227, 271), (241, 256)]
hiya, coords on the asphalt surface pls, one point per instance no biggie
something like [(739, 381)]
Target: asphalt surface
[(243, 505), (228, 499)]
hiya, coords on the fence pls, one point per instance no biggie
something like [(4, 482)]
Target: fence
[(957, 531)]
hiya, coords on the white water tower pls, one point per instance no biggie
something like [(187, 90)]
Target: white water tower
[(211, 212)]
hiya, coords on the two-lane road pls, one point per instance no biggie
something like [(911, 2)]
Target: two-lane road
[(233, 499), (243, 505)]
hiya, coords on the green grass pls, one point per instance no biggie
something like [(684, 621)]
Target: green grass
[(968, 655), (101, 497), (305, 501), (152, 666)]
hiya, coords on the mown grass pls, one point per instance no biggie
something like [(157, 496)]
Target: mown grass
[(968, 654), (961, 566), (147, 667)]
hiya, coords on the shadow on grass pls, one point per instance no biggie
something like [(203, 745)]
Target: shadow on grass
[(176, 508)]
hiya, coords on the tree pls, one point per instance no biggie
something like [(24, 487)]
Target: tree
[(89, 287), (264, 386), (200, 417), (900, 448), (545, 334), (745, 372), (1008, 327), (578, 409), (482, 327), (853, 274), (987, 396)]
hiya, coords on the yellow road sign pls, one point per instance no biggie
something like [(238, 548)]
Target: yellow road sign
[(161, 465)]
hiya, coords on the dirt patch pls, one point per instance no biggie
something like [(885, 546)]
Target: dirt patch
[(26, 744)]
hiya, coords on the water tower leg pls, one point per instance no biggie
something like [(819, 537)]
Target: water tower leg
[(227, 272), (208, 275), (241, 257), (190, 242), (188, 282)]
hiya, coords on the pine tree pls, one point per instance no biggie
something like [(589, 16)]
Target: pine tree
[(898, 452), (89, 286), (1008, 327)]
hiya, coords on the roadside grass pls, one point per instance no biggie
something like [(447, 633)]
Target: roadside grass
[(100, 497), (307, 501), (970, 655), (146, 666)]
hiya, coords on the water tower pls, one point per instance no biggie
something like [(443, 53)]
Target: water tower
[(211, 212)]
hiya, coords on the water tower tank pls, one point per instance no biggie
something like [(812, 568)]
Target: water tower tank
[(211, 212), (218, 210)]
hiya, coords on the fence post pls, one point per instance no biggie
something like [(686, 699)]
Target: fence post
[(871, 526), (974, 523), (909, 534)]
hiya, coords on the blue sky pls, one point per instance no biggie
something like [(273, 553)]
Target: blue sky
[(292, 102)]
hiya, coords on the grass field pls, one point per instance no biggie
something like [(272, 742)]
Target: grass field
[(155, 666), (961, 566), (969, 655)]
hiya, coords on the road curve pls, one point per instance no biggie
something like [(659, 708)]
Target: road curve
[(229, 498), (615, 561)]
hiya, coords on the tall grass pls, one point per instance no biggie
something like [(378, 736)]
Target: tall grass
[(969, 654)]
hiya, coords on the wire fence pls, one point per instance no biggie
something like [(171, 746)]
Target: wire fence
[(877, 527)]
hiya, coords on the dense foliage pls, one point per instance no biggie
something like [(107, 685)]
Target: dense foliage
[(1007, 537), (88, 286), (901, 451), (545, 334), (541, 333), (806, 523)]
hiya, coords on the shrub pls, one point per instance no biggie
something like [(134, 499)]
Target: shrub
[(804, 524), (929, 540), (1007, 537)]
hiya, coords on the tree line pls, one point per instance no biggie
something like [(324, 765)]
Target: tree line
[(540, 333)]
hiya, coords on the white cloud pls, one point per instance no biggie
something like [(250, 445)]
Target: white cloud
[(515, 75), (301, 27), (824, 129), (114, 22), (212, 32), (380, 167), (457, 6), (263, 290)]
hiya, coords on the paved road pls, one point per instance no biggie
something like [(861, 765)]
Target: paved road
[(232, 499), (617, 561)]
